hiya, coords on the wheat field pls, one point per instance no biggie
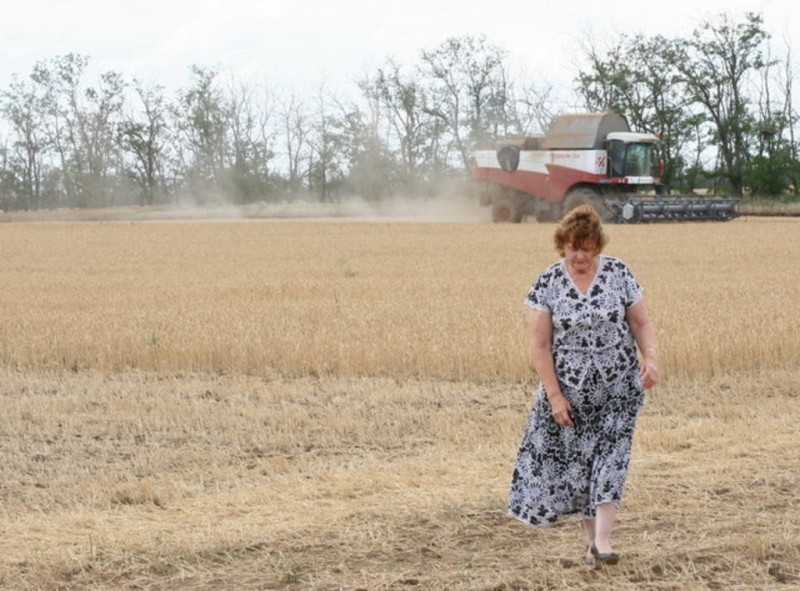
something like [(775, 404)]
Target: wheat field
[(337, 404)]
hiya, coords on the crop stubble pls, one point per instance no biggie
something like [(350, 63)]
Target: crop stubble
[(337, 405)]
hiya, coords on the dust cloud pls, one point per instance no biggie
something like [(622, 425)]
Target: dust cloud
[(451, 208), (442, 209)]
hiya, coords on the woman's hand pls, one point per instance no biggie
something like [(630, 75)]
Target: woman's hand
[(648, 371), (562, 410)]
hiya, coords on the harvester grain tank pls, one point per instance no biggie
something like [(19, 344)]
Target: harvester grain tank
[(589, 158)]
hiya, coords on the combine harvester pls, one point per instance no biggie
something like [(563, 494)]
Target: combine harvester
[(589, 158)]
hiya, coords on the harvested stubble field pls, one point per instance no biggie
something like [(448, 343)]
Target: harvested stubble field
[(337, 405)]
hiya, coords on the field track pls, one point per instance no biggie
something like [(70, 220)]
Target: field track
[(336, 405)]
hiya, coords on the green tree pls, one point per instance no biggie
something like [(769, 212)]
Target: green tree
[(80, 122), (638, 77), (144, 138), (23, 109), (201, 136), (715, 66), (325, 156)]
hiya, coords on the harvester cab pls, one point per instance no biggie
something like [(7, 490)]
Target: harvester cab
[(631, 155)]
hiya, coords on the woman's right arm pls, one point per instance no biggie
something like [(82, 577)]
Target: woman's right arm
[(540, 340)]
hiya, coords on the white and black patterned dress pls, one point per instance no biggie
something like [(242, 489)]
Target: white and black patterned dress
[(561, 470)]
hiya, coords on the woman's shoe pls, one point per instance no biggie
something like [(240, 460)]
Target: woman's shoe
[(609, 558)]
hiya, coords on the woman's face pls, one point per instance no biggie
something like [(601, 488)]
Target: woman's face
[(580, 257)]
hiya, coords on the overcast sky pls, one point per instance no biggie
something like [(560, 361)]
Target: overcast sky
[(302, 43)]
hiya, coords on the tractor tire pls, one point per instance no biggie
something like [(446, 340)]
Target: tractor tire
[(586, 196), (506, 212), (508, 158)]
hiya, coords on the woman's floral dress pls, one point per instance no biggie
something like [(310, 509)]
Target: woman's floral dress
[(569, 470)]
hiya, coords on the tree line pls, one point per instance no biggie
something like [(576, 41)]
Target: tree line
[(721, 103)]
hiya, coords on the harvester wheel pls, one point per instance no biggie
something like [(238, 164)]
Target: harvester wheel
[(508, 158), (505, 212), (586, 197)]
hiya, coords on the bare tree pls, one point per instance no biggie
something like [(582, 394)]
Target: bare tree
[(531, 111), (770, 168), (468, 90), (366, 159), (325, 158), (252, 140), (402, 99), (791, 119), (296, 127)]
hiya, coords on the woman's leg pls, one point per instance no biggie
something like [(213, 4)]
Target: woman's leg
[(605, 515), (588, 528)]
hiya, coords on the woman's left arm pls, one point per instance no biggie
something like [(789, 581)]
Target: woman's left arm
[(644, 331)]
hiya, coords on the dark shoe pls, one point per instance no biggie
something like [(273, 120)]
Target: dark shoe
[(609, 558)]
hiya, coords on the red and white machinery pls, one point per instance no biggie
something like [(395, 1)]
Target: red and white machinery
[(589, 158)]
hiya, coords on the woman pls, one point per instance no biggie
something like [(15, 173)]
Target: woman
[(586, 318)]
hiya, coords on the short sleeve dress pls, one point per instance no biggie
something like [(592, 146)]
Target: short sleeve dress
[(563, 471)]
